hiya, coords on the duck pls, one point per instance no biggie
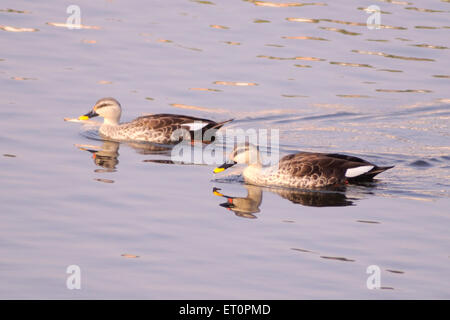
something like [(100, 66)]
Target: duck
[(156, 128), (304, 170)]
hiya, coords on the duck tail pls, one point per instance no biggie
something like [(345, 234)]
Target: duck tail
[(372, 173), (219, 125), (368, 176)]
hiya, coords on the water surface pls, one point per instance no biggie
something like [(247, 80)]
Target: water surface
[(141, 227)]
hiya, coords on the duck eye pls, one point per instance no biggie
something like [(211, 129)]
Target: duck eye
[(101, 106)]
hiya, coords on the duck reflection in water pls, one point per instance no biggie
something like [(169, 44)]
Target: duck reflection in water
[(245, 207), (106, 155)]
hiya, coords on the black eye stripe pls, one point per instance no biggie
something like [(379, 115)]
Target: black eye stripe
[(102, 105), (240, 150)]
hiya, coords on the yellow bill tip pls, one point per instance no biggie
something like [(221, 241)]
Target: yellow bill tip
[(83, 118), (217, 170), (216, 193)]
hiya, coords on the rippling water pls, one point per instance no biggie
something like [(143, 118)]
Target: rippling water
[(140, 226)]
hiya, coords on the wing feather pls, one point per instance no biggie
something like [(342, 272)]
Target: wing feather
[(329, 166)]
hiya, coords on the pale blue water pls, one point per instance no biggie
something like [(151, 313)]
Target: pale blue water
[(385, 100)]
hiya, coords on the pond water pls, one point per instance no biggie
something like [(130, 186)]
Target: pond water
[(139, 226)]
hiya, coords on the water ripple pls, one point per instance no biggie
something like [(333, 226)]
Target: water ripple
[(404, 91), (350, 64), (343, 31), (424, 45), (284, 5), (17, 29), (305, 38), (8, 10), (423, 9), (291, 58), (72, 26), (386, 55)]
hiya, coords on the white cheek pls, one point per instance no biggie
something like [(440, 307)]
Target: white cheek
[(245, 157), (237, 158), (104, 112)]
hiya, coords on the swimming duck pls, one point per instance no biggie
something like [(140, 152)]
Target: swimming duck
[(303, 169), (157, 128)]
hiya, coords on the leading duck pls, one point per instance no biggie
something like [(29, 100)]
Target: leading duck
[(156, 128), (303, 169)]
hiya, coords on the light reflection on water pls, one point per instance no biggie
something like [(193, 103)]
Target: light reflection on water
[(312, 70)]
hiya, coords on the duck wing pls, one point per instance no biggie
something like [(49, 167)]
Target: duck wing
[(367, 176), (335, 168), (200, 128), (163, 125)]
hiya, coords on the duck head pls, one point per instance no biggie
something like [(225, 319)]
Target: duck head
[(245, 153), (108, 108)]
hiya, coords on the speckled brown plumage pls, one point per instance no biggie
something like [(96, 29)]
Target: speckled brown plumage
[(159, 128), (312, 170), (302, 170)]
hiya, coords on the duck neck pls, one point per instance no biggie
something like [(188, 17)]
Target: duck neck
[(109, 128), (252, 172), (111, 121)]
